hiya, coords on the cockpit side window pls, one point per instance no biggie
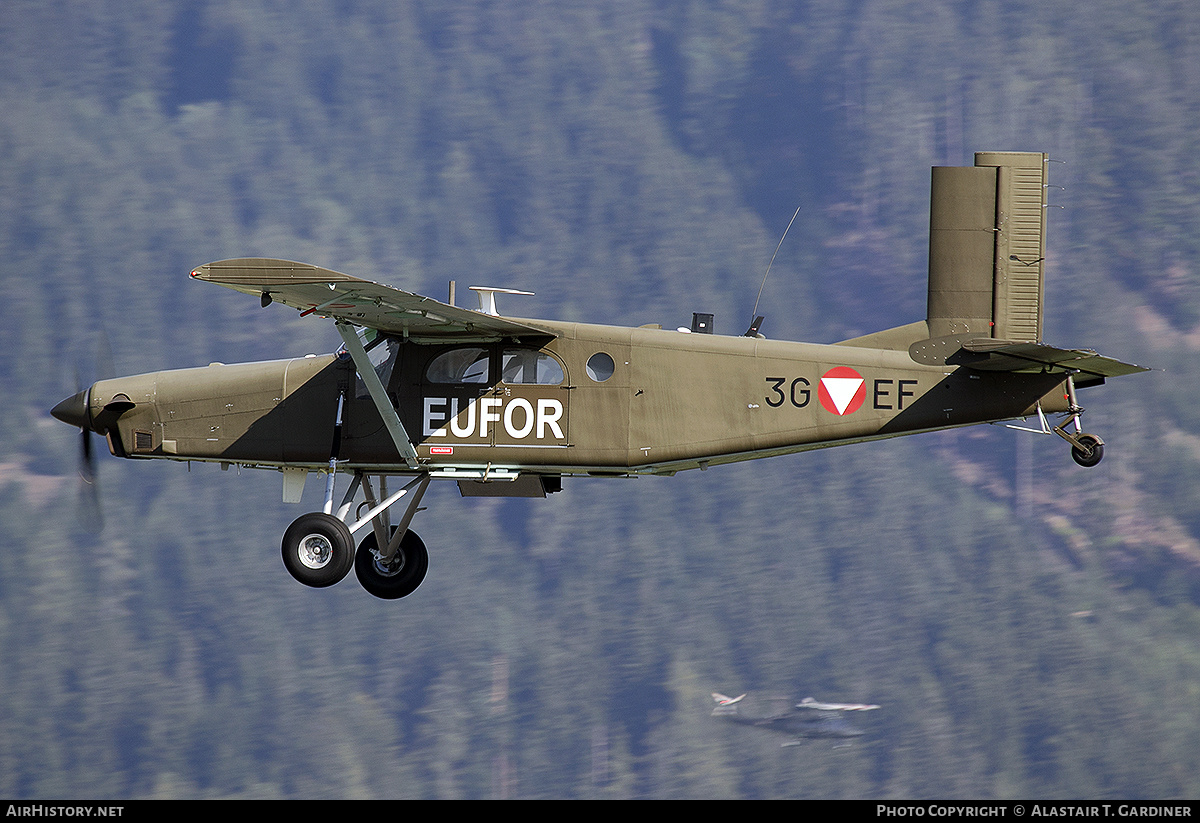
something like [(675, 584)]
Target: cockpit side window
[(382, 354), (530, 366), (381, 351), (466, 365)]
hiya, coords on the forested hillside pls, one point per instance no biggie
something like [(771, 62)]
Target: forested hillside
[(1030, 628)]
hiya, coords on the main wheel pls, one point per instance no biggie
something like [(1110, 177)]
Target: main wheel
[(397, 579), (1091, 454), (318, 549)]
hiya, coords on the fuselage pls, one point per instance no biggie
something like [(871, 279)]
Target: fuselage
[(592, 399)]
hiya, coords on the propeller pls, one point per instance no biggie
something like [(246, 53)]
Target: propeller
[(76, 411)]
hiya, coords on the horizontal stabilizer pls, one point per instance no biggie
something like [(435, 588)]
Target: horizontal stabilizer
[(314, 290), (1007, 356)]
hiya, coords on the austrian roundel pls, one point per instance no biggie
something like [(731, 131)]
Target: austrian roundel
[(842, 390)]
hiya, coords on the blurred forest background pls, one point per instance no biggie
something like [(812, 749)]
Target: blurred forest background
[(1030, 628)]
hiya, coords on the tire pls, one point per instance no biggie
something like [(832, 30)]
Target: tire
[(1094, 453), (403, 576), (318, 550)]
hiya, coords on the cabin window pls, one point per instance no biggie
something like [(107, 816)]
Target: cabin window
[(600, 367), (465, 365), (530, 366)]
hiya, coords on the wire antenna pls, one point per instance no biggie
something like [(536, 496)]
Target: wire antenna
[(768, 271)]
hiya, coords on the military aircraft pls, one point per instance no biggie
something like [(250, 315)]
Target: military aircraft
[(806, 719), (426, 390)]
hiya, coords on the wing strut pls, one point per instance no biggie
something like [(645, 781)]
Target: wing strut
[(378, 394)]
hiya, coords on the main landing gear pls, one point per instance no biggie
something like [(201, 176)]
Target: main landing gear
[(318, 548)]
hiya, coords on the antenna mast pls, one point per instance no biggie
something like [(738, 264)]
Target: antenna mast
[(768, 271)]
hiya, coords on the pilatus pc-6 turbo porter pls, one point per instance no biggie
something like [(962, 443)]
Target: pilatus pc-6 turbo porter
[(424, 390)]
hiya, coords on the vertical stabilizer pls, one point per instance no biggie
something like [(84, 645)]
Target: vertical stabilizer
[(962, 250), (987, 247)]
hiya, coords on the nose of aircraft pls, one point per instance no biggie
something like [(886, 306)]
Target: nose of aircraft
[(74, 410)]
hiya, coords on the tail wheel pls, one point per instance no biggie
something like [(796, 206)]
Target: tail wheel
[(318, 549), (396, 579), (1089, 452)]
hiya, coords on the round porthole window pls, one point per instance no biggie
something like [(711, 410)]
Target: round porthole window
[(600, 367)]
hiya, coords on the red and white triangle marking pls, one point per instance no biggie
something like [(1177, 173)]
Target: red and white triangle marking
[(842, 390)]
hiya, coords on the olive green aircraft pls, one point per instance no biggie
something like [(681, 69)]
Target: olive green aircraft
[(425, 390)]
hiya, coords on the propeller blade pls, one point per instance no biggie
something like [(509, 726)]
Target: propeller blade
[(90, 514), (87, 464)]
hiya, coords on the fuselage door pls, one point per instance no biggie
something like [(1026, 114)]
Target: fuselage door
[(486, 395), (452, 405), (528, 406)]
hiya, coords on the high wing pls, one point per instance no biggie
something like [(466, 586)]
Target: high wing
[(1008, 356), (314, 290), (809, 703)]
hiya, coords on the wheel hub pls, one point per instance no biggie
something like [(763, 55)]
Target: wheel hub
[(315, 551), (389, 569)]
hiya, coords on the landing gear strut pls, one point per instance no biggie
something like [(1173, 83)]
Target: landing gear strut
[(318, 548)]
